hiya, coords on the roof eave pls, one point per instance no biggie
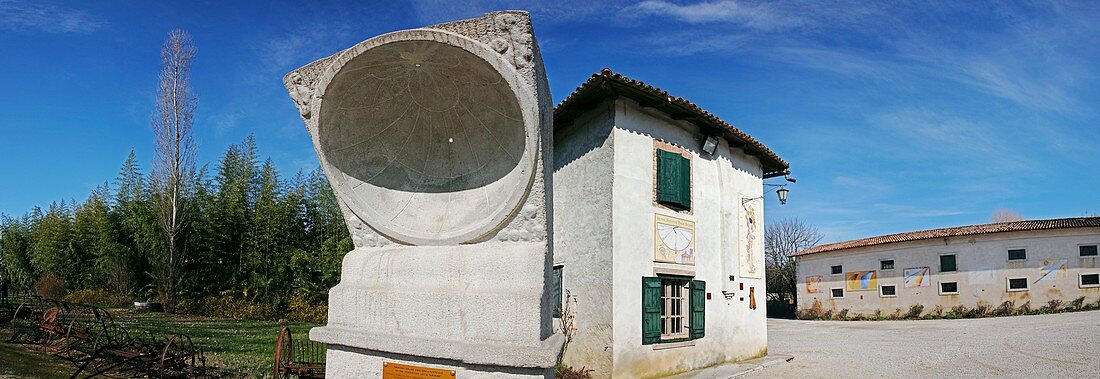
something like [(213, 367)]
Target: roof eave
[(606, 84)]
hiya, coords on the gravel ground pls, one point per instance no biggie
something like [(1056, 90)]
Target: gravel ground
[(1065, 345)]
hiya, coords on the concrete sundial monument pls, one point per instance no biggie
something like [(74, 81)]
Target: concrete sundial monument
[(435, 141)]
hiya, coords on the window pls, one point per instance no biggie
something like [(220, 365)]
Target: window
[(1017, 254), (947, 263), (949, 288), (555, 276), (1088, 250), (887, 291), (838, 269), (673, 180), (673, 309), (887, 264), (1090, 280), (838, 293), (1017, 284)]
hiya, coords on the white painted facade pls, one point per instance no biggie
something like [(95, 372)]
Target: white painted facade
[(604, 211), (982, 274)]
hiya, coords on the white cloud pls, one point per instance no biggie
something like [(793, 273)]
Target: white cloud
[(757, 16), (19, 15)]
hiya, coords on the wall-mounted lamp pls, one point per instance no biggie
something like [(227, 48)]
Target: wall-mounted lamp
[(710, 145), (781, 191)]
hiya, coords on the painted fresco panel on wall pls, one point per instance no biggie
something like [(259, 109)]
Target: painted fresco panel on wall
[(1053, 269), (674, 240), (861, 280), (813, 284), (917, 277), (750, 261)]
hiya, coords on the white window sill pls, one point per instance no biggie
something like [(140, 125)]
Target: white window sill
[(1018, 290), (888, 296), (673, 345), (948, 293), (1089, 285)]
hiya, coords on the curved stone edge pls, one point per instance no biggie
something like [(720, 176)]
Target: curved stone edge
[(517, 225), (528, 106), (543, 356)]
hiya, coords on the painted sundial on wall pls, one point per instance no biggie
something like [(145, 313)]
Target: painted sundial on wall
[(674, 240)]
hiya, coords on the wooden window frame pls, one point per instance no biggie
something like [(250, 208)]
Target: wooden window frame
[(940, 263), (881, 294), (939, 287), (683, 203), (675, 295), (832, 295), (1081, 280), (1096, 250), (881, 263), (1009, 251), (1008, 284)]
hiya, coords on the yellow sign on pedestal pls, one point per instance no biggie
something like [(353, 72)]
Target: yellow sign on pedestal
[(392, 370)]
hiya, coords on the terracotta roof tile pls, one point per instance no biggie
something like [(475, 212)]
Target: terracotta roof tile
[(606, 84), (969, 230)]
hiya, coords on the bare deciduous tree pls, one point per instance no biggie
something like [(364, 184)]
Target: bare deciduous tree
[(782, 239), (173, 163), (1005, 215)]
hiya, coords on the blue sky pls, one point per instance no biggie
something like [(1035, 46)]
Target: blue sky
[(894, 117)]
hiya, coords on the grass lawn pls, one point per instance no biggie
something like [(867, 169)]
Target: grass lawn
[(245, 346), (19, 362)]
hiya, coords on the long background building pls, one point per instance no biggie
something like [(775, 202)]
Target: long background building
[(1032, 261)]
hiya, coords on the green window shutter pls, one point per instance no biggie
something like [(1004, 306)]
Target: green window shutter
[(556, 291), (673, 179), (667, 168), (651, 311), (698, 308), (947, 263), (685, 182)]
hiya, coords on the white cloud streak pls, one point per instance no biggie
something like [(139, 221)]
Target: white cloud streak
[(756, 16), (22, 16)]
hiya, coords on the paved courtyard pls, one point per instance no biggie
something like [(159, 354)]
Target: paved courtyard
[(1045, 346)]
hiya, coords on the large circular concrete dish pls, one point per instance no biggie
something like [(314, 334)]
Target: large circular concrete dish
[(428, 136)]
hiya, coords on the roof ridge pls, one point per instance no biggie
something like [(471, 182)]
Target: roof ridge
[(955, 231), (606, 74)]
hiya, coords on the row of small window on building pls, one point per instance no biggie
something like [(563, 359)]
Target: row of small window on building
[(1014, 284), (949, 263)]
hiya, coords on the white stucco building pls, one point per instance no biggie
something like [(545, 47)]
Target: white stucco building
[(658, 245), (1032, 261)]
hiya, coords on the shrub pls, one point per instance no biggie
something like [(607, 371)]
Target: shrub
[(1024, 309), (568, 372), (1053, 306), (877, 316), (815, 312), (897, 314), (842, 314), (301, 309), (937, 312), (1078, 303), (958, 311), (982, 310), (51, 286), (236, 307), (1007, 308), (914, 311), (827, 315), (99, 297)]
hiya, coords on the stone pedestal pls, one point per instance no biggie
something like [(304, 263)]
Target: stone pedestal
[(434, 142)]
